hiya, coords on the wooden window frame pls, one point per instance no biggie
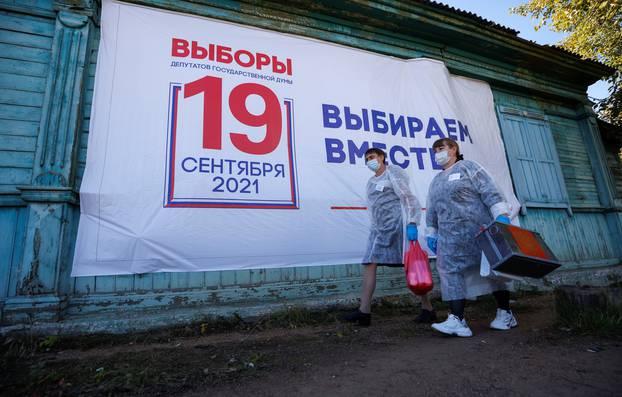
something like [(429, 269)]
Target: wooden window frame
[(564, 202)]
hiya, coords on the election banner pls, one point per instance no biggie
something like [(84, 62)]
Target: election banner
[(217, 146)]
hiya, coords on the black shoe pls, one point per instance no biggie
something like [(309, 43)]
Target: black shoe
[(363, 319), (426, 316)]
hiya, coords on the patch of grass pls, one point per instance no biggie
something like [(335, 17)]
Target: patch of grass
[(395, 305), (588, 310), (600, 322), (49, 342), (160, 371), (296, 317)]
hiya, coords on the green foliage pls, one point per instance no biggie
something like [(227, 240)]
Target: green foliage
[(49, 342), (594, 30)]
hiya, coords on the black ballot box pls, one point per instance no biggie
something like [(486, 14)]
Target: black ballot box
[(516, 251)]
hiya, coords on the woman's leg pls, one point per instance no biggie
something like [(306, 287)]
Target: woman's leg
[(368, 287), (504, 320), (456, 307), (503, 299), (427, 314), (425, 303)]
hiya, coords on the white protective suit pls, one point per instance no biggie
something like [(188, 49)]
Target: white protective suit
[(461, 200), (391, 204)]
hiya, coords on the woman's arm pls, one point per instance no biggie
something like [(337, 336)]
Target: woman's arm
[(411, 204), (431, 218), (489, 192)]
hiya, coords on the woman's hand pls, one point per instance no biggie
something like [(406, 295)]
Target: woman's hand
[(411, 232), (503, 219), (432, 241)]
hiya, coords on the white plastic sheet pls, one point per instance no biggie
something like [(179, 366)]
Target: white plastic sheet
[(197, 163)]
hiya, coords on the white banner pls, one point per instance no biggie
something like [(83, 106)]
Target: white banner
[(216, 146)]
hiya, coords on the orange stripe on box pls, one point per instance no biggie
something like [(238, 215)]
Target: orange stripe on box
[(527, 242)]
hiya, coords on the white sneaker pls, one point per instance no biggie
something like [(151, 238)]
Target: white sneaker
[(453, 326), (504, 320)]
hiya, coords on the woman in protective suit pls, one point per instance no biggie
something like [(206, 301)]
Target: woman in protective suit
[(390, 204), (461, 199)]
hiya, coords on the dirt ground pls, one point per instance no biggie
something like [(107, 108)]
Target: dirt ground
[(309, 354)]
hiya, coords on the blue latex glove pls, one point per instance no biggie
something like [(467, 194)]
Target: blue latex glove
[(432, 241), (503, 219), (411, 232)]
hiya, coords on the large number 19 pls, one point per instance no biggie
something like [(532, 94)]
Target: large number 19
[(211, 87)]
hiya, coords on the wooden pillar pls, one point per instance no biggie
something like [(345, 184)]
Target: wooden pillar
[(42, 282)]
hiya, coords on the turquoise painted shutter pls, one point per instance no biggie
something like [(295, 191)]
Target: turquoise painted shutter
[(533, 159)]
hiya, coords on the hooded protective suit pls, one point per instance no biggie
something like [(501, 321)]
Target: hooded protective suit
[(391, 204)]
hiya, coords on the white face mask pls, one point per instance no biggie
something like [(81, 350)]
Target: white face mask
[(442, 158), (373, 165)]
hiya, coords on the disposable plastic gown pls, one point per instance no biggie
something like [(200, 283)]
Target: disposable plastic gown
[(461, 199), (389, 202)]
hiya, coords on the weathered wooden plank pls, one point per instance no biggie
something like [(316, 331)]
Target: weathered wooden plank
[(196, 279), (10, 51), (81, 155), (16, 159), (46, 5), (341, 271), (143, 282), (18, 143), (212, 279), (583, 236), (227, 278), (25, 39), (353, 270), (26, 24), (8, 223), (24, 113), (17, 82), (179, 280), (90, 70), (19, 127), (301, 273), (89, 82), (328, 272), (104, 284), (21, 98), (123, 283), (273, 275), (315, 273), (83, 285), (256, 276), (87, 99), (15, 176), (242, 277), (23, 68), (161, 281), (93, 57), (18, 248), (356, 270), (287, 274)]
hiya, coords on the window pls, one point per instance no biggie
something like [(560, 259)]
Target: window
[(533, 159)]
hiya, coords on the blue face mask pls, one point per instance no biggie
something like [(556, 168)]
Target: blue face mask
[(373, 165)]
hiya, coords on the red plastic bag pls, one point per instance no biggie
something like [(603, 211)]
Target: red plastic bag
[(417, 267)]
